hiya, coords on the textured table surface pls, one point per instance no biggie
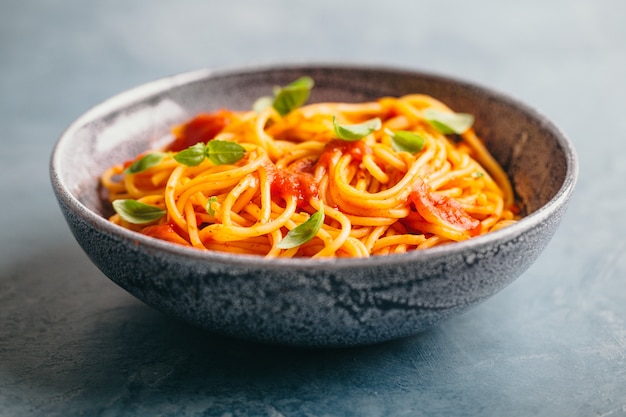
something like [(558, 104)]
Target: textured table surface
[(73, 343)]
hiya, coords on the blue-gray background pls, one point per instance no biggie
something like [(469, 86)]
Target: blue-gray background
[(551, 344)]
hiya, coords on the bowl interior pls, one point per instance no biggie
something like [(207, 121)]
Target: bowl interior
[(524, 142)]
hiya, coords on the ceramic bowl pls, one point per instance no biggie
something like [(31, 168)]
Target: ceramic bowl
[(304, 302)]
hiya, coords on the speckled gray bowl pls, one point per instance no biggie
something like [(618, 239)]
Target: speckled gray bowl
[(303, 302)]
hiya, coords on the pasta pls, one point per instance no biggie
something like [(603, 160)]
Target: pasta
[(320, 180)]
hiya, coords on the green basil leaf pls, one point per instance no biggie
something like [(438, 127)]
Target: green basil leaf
[(478, 174), (405, 141), (222, 152), (293, 95), (147, 161), (192, 156), (137, 212), (303, 232), (209, 205), (449, 123), (356, 131)]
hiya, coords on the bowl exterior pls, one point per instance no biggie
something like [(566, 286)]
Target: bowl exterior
[(334, 302), (322, 305)]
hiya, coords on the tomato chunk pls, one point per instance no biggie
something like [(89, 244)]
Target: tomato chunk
[(440, 209)]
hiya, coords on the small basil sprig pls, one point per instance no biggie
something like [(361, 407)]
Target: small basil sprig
[(136, 212), (287, 98), (357, 131), (406, 141), (145, 162), (303, 232), (219, 152), (448, 123)]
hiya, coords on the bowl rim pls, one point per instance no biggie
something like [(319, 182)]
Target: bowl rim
[(161, 85)]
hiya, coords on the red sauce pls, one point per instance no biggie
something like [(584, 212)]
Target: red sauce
[(391, 113), (201, 128), (356, 149), (433, 206), (297, 181)]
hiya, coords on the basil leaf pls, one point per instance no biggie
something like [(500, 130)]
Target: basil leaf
[(356, 131), (477, 174), (406, 141), (136, 212), (303, 232), (293, 95), (192, 156), (449, 123), (222, 152), (219, 152), (147, 161), (209, 205)]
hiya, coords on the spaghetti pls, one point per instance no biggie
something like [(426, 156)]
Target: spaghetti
[(319, 180)]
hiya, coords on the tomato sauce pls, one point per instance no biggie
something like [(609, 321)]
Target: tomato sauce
[(297, 181), (357, 150), (201, 128)]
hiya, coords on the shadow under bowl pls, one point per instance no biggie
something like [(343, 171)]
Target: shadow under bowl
[(305, 302)]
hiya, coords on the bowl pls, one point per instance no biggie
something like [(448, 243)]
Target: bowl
[(311, 302)]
